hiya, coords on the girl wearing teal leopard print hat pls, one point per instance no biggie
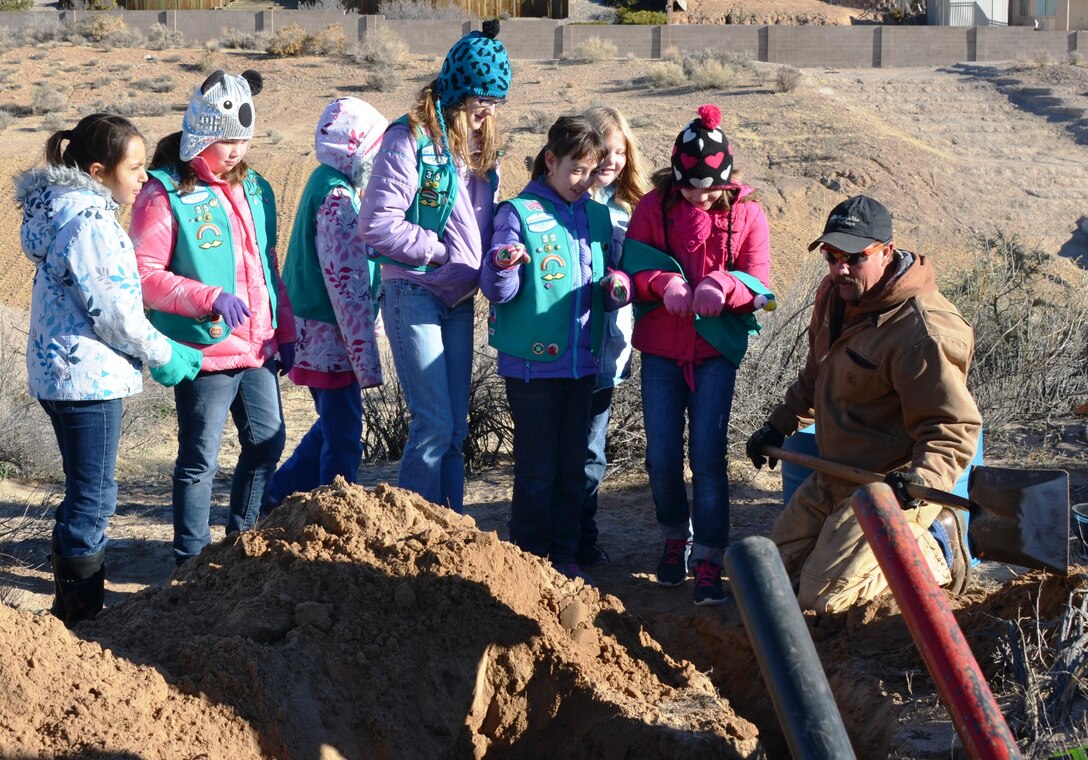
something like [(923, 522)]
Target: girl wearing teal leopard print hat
[(427, 212)]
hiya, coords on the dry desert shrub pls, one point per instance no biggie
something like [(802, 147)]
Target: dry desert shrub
[(5, 119), (1030, 357), (788, 78), (382, 48), (666, 74), (595, 50), (383, 79), (159, 37), (7, 39), (27, 446), (235, 39), (98, 26), (53, 122), (289, 41), (712, 75), (45, 98), (329, 41), (124, 38), (164, 83)]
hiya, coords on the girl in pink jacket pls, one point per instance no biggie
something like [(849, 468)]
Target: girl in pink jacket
[(204, 230), (702, 271)]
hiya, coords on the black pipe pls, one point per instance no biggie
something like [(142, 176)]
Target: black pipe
[(787, 657)]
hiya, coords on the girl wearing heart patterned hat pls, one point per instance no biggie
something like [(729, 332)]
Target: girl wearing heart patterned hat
[(427, 212), (698, 253)]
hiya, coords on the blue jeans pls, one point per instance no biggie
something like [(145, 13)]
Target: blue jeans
[(551, 418), (87, 433), (332, 446), (596, 462), (252, 397), (667, 404), (432, 351)]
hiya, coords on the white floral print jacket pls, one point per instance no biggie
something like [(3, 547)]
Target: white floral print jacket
[(88, 333)]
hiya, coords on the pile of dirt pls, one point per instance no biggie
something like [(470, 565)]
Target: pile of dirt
[(361, 623)]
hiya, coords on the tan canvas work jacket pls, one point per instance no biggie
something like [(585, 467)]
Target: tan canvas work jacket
[(890, 391)]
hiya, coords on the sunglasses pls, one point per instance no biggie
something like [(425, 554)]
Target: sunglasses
[(834, 256), (485, 103)]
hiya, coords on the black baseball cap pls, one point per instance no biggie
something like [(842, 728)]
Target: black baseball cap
[(855, 224)]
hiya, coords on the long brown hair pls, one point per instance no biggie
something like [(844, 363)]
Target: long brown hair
[(100, 138), (168, 154), (480, 158), (632, 183)]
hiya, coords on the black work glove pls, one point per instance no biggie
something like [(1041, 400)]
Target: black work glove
[(765, 436), (899, 482)]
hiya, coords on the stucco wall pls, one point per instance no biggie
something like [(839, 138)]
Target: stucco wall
[(802, 46)]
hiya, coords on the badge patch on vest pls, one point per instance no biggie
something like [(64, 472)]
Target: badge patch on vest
[(197, 196), (552, 267), (209, 236), (430, 157), (540, 222), (428, 189)]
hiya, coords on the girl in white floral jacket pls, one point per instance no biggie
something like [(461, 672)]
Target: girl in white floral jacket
[(88, 335)]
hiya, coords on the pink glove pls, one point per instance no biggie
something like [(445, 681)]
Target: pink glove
[(709, 298), (677, 297), (510, 256), (617, 289)]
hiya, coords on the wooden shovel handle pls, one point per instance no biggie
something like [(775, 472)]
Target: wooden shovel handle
[(864, 477)]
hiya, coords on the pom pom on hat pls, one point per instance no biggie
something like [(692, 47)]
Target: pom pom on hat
[(477, 64), (711, 116), (701, 156)]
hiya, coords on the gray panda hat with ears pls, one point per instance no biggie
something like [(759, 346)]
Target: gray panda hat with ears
[(220, 109)]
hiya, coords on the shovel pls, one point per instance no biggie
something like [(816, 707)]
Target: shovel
[(1017, 516)]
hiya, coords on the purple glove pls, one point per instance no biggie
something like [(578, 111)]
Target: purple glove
[(287, 357), (617, 289), (233, 310), (677, 297), (510, 255), (709, 298)]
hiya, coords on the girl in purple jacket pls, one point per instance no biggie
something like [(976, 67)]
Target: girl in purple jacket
[(427, 212), (549, 252)]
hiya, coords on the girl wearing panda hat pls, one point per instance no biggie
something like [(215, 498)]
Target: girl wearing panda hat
[(204, 230), (698, 253)]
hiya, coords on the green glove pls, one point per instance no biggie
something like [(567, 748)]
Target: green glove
[(184, 364)]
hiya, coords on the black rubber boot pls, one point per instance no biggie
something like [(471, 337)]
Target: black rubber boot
[(81, 582), (57, 610)]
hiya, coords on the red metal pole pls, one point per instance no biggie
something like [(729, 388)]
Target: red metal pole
[(953, 667)]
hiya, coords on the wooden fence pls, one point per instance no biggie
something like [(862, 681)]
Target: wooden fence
[(491, 8), (174, 5)]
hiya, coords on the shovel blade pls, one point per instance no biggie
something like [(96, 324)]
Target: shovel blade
[(1020, 517)]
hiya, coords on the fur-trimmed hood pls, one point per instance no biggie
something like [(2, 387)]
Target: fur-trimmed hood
[(50, 198)]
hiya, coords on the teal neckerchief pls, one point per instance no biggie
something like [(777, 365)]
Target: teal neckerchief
[(204, 250), (728, 333), (536, 324)]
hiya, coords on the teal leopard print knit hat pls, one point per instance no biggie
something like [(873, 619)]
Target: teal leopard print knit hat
[(477, 64)]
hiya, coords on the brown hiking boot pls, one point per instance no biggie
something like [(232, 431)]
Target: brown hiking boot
[(954, 525)]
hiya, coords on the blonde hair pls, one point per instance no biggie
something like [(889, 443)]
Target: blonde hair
[(633, 181), (480, 161)]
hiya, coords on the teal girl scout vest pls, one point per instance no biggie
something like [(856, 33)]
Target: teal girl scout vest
[(205, 249), (728, 332), (535, 325), (437, 191), (302, 271)]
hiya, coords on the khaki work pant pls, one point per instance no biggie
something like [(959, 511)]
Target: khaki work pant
[(822, 544)]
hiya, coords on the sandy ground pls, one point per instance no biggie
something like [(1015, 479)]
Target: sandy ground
[(949, 150)]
